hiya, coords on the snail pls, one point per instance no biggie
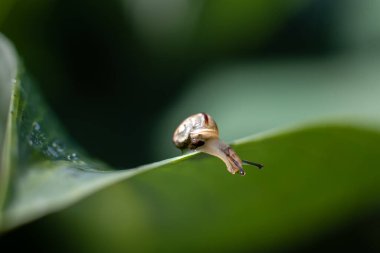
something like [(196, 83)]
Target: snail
[(199, 132)]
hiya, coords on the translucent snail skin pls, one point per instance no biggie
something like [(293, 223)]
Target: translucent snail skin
[(199, 132)]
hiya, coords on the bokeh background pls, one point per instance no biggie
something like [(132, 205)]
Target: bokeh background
[(128, 63), (121, 74)]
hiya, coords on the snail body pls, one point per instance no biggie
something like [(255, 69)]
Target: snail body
[(199, 132)]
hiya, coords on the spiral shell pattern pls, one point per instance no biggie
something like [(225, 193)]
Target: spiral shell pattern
[(194, 131)]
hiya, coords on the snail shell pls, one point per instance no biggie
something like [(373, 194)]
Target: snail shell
[(194, 131), (199, 132)]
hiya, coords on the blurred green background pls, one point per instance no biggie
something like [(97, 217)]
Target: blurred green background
[(132, 61), (122, 74)]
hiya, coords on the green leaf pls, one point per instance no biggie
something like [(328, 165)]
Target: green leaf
[(315, 177), (42, 169), (8, 67)]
